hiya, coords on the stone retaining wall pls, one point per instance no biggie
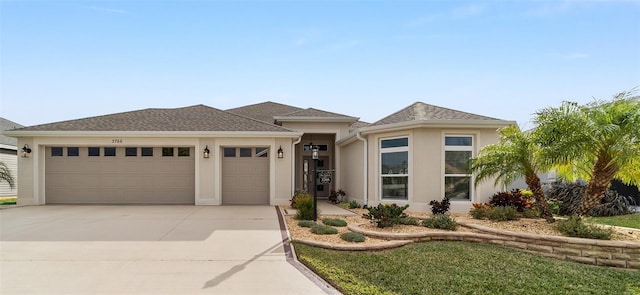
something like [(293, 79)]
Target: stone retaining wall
[(621, 254)]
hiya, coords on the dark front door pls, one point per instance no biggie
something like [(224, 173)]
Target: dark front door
[(307, 176)]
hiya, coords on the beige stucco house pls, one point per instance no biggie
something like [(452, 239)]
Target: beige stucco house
[(255, 154)]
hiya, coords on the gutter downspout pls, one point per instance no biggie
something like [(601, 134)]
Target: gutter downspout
[(366, 167), (293, 165)]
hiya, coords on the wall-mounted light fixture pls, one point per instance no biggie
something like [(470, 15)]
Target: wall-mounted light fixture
[(206, 152), (26, 150), (314, 151), (280, 153)]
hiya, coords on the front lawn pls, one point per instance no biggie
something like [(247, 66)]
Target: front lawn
[(461, 268), (629, 220), (8, 200)]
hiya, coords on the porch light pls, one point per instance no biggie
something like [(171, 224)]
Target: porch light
[(206, 152), (280, 153), (26, 150), (314, 151)]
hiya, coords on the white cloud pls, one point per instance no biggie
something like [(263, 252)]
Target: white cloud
[(344, 45), (300, 42), (109, 10), (572, 55), (457, 13)]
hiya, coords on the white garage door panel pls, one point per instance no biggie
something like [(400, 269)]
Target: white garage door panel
[(245, 180), (119, 179)]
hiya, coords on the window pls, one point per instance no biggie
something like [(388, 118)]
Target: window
[(167, 152), (146, 151), (109, 152), (458, 150), (183, 152), (229, 152), (131, 152), (93, 151), (56, 152), (73, 151), (262, 152), (394, 168), (245, 152), (321, 147)]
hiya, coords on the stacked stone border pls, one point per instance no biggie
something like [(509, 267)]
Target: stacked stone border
[(621, 254)]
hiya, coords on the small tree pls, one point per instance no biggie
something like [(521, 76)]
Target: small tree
[(597, 142), (514, 156), (5, 175)]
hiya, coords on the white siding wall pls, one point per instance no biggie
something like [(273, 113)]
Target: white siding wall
[(12, 162)]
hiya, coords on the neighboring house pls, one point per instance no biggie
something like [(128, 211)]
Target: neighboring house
[(256, 154), (9, 156)]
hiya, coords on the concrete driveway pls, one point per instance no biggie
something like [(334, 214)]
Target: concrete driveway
[(146, 250)]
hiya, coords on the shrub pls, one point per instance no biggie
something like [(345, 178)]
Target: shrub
[(502, 213), (296, 195), (306, 223), (575, 227), (514, 198), (334, 222), (480, 210), (353, 237), (530, 213), (344, 205), (385, 215), (440, 221), (409, 221), (568, 196), (323, 230), (613, 204), (354, 204), (441, 207), (304, 205)]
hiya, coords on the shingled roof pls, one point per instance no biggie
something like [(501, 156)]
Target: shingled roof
[(420, 111), (193, 118), (264, 111), (8, 125), (315, 113)]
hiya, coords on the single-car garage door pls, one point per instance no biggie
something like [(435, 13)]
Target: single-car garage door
[(245, 175), (120, 175)]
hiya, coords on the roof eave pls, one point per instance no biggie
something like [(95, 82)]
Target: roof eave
[(277, 134), (438, 124)]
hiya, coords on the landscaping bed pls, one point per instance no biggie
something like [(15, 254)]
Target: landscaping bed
[(523, 225)]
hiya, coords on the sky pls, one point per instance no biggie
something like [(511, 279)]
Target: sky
[(63, 60)]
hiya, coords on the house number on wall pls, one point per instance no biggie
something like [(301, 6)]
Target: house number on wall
[(116, 140)]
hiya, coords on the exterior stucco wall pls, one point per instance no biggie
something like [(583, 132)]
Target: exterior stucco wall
[(426, 167), (351, 172), (339, 129)]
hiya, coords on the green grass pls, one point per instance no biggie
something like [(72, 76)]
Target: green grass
[(462, 268), (8, 201), (629, 220)]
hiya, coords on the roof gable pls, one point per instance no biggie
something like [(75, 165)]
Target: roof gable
[(265, 111), (193, 118), (420, 111)]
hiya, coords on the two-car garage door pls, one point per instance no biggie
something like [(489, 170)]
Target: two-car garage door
[(149, 175), (120, 175)]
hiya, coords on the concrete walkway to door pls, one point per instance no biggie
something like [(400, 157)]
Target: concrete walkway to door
[(59, 249)]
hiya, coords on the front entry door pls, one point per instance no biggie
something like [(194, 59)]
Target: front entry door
[(307, 176)]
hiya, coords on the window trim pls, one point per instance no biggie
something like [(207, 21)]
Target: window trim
[(446, 148), (382, 175)]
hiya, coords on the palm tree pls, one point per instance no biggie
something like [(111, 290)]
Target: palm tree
[(514, 156), (5, 175), (597, 142)]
